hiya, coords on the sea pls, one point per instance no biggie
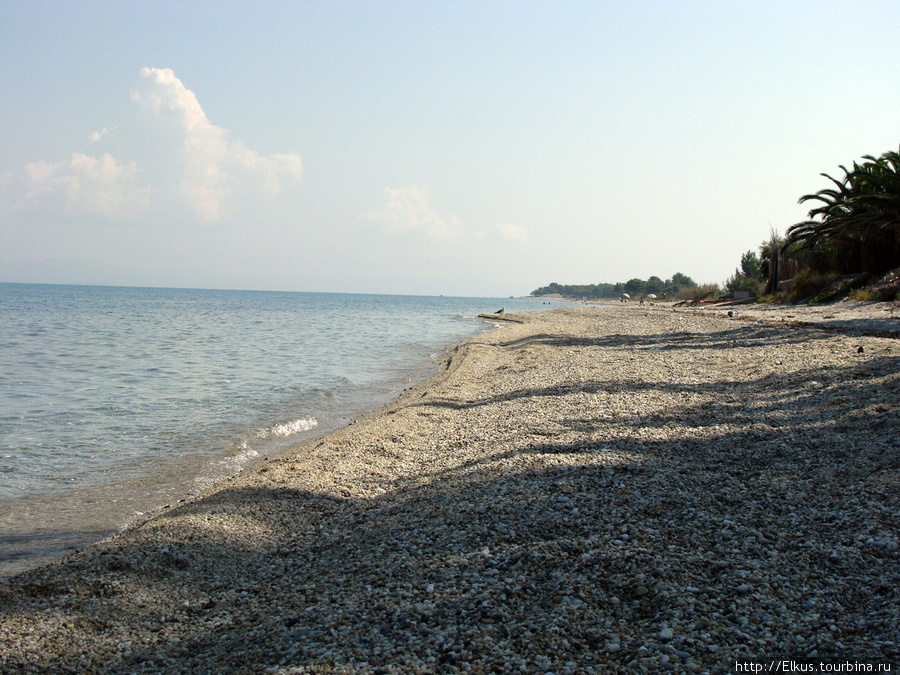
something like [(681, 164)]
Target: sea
[(115, 402)]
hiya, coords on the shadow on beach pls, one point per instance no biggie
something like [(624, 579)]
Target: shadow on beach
[(466, 564)]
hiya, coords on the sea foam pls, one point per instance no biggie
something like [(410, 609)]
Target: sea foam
[(288, 428)]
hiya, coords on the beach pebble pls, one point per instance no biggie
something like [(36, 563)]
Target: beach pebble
[(726, 507)]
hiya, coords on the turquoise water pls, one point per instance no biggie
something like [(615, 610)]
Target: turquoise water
[(117, 401)]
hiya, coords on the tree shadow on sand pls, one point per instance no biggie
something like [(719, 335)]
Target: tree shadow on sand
[(474, 565)]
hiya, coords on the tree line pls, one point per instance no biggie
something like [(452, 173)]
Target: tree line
[(669, 288), (853, 230)]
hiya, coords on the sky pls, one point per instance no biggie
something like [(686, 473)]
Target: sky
[(479, 148)]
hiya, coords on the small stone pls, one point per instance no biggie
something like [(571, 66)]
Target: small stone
[(359, 541)]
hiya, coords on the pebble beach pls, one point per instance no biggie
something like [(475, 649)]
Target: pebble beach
[(584, 490)]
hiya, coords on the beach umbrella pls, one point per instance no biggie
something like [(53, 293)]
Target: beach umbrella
[(652, 295), (625, 295)]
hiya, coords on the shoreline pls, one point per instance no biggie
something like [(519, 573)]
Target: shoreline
[(593, 488), (69, 522)]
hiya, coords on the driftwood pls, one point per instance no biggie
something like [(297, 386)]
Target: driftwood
[(498, 317), (742, 301)]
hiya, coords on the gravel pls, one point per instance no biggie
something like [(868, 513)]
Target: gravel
[(590, 490)]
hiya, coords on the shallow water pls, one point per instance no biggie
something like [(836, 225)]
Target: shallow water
[(117, 401)]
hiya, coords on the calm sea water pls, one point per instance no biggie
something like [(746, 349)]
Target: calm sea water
[(117, 401)]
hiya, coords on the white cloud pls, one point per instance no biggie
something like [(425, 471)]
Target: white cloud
[(94, 184), (97, 135), (214, 167), (163, 94), (408, 210), (175, 155), (512, 232)]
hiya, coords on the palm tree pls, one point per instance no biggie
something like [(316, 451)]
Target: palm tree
[(856, 227), (879, 189)]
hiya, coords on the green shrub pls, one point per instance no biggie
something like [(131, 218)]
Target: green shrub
[(865, 295), (858, 282), (700, 292), (808, 284), (841, 288)]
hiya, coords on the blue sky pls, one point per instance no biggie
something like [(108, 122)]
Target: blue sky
[(456, 148)]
